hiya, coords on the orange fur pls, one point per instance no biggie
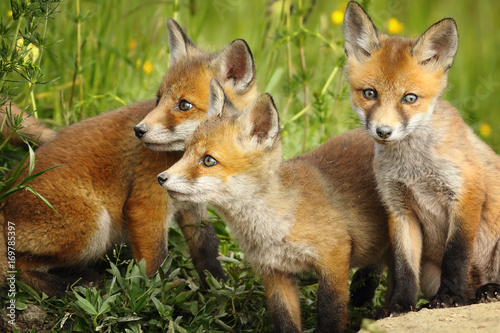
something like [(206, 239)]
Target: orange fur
[(32, 129), (316, 212), (105, 190), (441, 184)]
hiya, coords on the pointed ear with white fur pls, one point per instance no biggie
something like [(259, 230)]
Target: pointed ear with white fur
[(216, 99), (360, 35), (218, 103), (235, 64), (438, 45), (261, 120), (180, 45)]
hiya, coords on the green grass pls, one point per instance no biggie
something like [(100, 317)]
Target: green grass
[(94, 60)]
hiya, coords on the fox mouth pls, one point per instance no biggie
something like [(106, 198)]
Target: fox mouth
[(175, 145), (177, 195), (383, 142)]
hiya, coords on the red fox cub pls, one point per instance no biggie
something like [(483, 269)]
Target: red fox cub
[(32, 129), (440, 183), (316, 212), (105, 187)]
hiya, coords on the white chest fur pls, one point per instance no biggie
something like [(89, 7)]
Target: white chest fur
[(411, 177), (262, 234)]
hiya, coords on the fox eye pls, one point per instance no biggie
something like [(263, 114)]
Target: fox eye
[(209, 161), (185, 105), (157, 100), (370, 94), (410, 98)]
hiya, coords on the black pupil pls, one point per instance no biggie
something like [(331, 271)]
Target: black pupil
[(209, 161), (184, 105), (157, 100)]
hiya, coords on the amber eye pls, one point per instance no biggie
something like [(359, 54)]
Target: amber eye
[(158, 100), (410, 98), (209, 161), (370, 94), (185, 105)]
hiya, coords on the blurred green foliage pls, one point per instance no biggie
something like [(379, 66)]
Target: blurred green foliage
[(101, 55)]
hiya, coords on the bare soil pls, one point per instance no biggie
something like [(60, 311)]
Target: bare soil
[(484, 318)]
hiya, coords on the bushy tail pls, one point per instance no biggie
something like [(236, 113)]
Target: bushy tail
[(32, 128)]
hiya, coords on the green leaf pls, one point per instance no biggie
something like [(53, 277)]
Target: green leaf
[(45, 201), (107, 304), (85, 305), (24, 287), (31, 160), (193, 308)]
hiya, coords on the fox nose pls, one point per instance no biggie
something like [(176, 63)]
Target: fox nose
[(140, 130), (384, 131), (162, 178)]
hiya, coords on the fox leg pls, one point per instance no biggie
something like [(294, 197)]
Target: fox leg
[(406, 239), (333, 294), (488, 292), (464, 223), (50, 251), (201, 239), (364, 283), (52, 282), (148, 211), (283, 297), (491, 290)]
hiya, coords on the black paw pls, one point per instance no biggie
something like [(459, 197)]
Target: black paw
[(394, 310), (488, 293), (446, 301)]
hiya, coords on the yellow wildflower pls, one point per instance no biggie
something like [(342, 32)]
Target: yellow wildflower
[(9, 14), (33, 52), (20, 43), (132, 44), (147, 67), (485, 130), (394, 26), (337, 17), (138, 64)]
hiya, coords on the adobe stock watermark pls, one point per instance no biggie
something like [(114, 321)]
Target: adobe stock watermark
[(223, 7), (394, 7), (11, 272), (483, 91)]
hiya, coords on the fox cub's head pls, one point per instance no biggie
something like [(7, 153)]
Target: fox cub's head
[(395, 82), (229, 155), (182, 99)]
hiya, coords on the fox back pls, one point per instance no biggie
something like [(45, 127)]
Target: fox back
[(104, 188), (32, 130), (441, 184)]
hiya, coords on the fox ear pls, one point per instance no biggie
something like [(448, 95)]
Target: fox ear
[(438, 45), (216, 99), (360, 35), (236, 65), (180, 45), (218, 104), (262, 120)]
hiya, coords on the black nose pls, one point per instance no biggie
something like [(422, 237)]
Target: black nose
[(162, 178), (140, 130), (384, 131)]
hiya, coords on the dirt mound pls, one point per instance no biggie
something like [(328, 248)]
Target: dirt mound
[(484, 318)]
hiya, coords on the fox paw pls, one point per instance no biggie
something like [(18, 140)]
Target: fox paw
[(441, 301), (488, 293), (394, 310)]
